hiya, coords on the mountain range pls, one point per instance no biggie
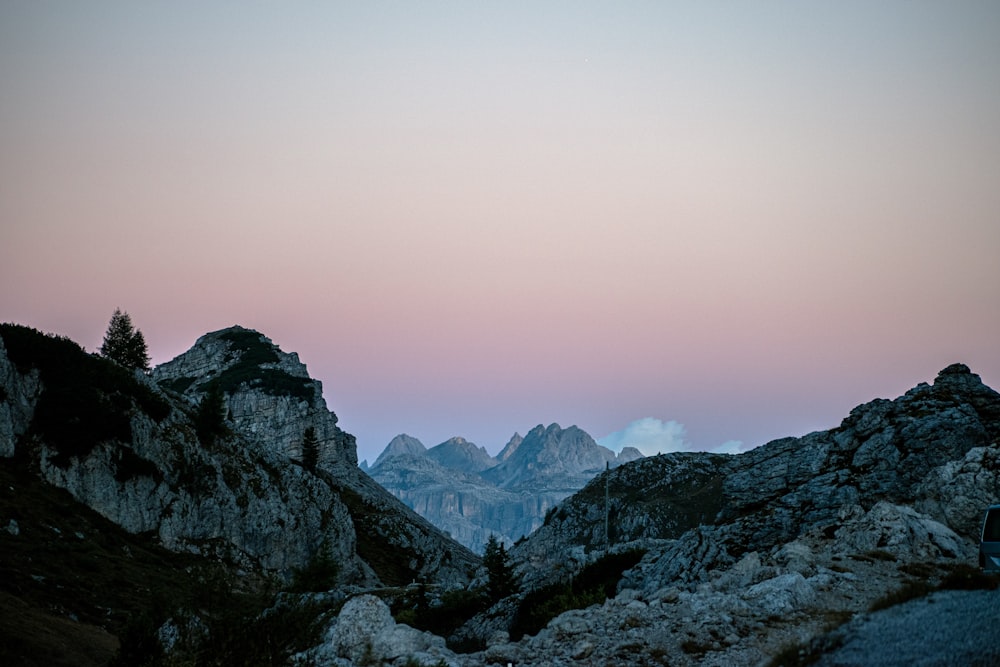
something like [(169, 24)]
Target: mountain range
[(173, 518), (472, 496)]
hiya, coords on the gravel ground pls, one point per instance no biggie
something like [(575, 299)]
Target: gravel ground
[(960, 628)]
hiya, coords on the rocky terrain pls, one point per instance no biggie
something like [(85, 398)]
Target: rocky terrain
[(175, 519), (471, 495), (139, 451), (786, 554)]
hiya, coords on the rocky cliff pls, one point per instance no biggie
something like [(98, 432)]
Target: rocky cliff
[(749, 555), (464, 491), (129, 447), (269, 395)]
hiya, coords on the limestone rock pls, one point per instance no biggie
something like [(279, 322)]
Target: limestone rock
[(269, 395), (365, 633)]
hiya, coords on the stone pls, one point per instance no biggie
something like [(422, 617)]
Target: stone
[(780, 595)]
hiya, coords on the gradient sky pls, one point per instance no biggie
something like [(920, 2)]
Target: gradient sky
[(729, 221)]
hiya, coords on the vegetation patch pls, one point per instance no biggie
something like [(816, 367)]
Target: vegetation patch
[(73, 584), (180, 385), (86, 399), (388, 560), (319, 575), (592, 585), (129, 465), (964, 577), (441, 617), (911, 590)]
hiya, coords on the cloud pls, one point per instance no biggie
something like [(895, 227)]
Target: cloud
[(731, 447), (650, 436)]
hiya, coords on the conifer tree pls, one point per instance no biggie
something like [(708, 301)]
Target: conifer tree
[(501, 573), (124, 344), (210, 420), (310, 449)]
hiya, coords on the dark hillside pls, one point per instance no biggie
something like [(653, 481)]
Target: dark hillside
[(72, 582)]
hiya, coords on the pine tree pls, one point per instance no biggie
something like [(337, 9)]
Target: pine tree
[(124, 344), (501, 573), (210, 420), (310, 449)]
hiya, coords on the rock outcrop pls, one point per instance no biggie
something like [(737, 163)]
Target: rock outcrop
[(365, 633), (270, 397)]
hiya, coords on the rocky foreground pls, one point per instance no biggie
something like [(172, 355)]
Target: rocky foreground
[(777, 556)]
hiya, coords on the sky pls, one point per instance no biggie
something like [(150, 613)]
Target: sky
[(694, 225)]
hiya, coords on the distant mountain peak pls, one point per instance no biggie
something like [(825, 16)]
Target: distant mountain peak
[(459, 454), (401, 445)]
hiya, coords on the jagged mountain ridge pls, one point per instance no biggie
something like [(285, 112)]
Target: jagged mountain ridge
[(244, 497), (464, 491), (817, 526), (759, 558)]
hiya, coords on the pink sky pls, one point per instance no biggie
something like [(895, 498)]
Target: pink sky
[(470, 219)]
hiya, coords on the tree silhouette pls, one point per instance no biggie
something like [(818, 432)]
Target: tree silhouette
[(501, 573), (124, 344), (310, 449), (210, 420)]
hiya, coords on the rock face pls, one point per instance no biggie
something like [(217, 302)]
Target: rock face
[(747, 554), (18, 396), (128, 446), (464, 491), (269, 395)]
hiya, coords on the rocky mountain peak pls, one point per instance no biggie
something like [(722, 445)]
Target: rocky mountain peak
[(268, 392), (548, 451), (628, 454), (401, 445), (459, 454), (511, 447)]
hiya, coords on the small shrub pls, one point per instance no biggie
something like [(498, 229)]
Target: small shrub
[(918, 570), (695, 647), (594, 584), (319, 575), (456, 607), (964, 577)]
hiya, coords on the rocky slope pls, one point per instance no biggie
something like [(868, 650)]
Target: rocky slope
[(464, 491), (129, 447), (763, 557)]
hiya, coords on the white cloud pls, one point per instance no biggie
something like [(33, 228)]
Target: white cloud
[(650, 436), (731, 447)]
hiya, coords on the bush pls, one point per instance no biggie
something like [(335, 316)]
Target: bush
[(456, 607), (964, 577), (594, 584), (911, 590), (319, 575)]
